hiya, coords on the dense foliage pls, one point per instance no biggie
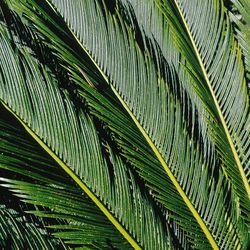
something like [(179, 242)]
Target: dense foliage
[(124, 124)]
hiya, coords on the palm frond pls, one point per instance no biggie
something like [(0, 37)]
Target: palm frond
[(33, 96), (239, 14), (150, 21), (134, 149), (178, 236), (215, 60), (46, 185), (157, 112), (16, 232)]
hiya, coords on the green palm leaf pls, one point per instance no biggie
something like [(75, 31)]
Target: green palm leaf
[(146, 116), (239, 13), (33, 96), (215, 59), (44, 184), (150, 20), (103, 109), (17, 232)]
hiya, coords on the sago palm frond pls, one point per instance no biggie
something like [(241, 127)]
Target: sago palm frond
[(215, 60), (151, 112), (151, 20), (16, 232), (129, 85), (239, 13), (48, 186), (33, 96)]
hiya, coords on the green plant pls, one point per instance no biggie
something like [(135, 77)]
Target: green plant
[(125, 123)]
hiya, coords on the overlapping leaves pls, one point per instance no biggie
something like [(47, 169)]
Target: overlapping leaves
[(68, 135), (152, 111), (137, 73), (18, 233), (215, 59)]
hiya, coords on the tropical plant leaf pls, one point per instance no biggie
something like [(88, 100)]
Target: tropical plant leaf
[(16, 232), (215, 60), (145, 162), (46, 185), (239, 13), (18, 27), (156, 112), (178, 237), (150, 21), (33, 96)]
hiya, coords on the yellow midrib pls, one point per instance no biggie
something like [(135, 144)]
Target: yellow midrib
[(230, 141), (79, 182)]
